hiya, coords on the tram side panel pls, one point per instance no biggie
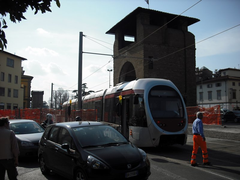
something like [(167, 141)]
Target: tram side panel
[(149, 116)]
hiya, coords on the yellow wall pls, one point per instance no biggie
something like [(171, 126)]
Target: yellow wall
[(15, 71)]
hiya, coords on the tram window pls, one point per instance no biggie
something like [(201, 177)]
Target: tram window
[(138, 116), (165, 103)]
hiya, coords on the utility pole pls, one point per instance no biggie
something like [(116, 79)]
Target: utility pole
[(80, 68), (80, 71), (51, 106)]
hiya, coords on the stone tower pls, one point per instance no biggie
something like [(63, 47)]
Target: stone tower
[(156, 44)]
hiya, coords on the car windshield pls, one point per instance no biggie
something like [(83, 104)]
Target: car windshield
[(98, 136), (26, 128)]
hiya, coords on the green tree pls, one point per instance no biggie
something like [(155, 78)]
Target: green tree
[(16, 9)]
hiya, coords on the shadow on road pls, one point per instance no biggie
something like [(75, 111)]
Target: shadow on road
[(222, 161), (28, 162)]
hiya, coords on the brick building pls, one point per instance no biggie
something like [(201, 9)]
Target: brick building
[(151, 43)]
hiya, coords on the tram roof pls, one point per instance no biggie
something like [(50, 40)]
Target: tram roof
[(138, 84), (93, 95)]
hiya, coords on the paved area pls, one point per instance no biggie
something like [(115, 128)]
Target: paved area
[(225, 131)]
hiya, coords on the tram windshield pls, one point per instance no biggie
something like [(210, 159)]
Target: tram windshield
[(165, 102)]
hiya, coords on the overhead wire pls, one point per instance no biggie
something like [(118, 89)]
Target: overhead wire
[(97, 70), (140, 41), (152, 34), (157, 59), (97, 42), (91, 38), (156, 30), (101, 45), (228, 29)]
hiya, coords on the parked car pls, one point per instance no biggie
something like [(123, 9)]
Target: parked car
[(231, 116), (223, 111), (237, 114), (28, 134), (91, 151)]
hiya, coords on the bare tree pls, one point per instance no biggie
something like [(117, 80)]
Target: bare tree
[(59, 97)]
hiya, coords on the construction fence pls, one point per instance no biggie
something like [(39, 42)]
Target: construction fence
[(212, 115)]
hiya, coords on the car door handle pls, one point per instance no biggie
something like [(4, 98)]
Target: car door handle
[(56, 149)]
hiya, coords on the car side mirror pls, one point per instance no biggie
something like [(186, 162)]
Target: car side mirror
[(65, 146)]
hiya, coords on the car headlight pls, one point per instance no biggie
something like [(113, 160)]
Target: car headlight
[(144, 156), (95, 163), (26, 143)]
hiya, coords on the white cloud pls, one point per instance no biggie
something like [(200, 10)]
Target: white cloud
[(34, 68), (43, 32), (41, 51), (55, 69)]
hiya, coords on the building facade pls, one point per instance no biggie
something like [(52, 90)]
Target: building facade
[(154, 44), (11, 91), (223, 90), (26, 85)]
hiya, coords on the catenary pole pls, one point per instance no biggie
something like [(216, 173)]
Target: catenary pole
[(80, 70), (51, 106)]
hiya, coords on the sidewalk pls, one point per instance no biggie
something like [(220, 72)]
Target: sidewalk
[(227, 131)]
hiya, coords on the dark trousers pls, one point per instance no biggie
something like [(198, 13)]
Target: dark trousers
[(9, 166)]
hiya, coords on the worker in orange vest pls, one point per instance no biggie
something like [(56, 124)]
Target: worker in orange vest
[(199, 140)]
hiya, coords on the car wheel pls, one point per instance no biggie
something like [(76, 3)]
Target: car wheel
[(43, 166), (80, 175)]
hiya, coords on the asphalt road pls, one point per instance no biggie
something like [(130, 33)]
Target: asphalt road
[(173, 162)]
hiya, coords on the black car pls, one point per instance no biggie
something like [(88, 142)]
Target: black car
[(91, 151), (28, 133), (231, 116)]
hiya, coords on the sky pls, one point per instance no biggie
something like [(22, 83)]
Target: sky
[(50, 41)]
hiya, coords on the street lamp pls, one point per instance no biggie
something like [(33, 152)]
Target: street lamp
[(109, 70)]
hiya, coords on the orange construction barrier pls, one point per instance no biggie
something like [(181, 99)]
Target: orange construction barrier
[(211, 115)]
